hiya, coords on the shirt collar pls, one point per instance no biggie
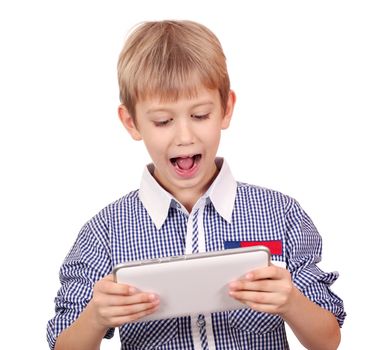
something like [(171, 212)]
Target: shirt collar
[(157, 200)]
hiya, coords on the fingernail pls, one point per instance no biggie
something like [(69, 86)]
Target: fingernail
[(131, 290), (232, 285)]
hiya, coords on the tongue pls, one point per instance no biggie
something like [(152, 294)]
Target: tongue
[(185, 163)]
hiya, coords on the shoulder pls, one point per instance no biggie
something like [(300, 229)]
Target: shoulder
[(122, 206), (265, 196), (129, 200)]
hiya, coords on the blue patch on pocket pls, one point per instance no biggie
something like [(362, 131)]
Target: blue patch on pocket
[(232, 244)]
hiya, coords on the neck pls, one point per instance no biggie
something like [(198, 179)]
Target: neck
[(188, 198)]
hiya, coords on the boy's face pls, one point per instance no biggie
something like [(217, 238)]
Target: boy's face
[(182, 138)]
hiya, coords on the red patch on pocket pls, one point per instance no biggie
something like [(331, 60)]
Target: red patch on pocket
[(275, 247)]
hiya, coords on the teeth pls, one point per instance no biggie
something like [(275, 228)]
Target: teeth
[(195, 157)]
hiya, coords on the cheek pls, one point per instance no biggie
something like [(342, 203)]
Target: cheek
[(156, 144), (212, 136), (152, 148)]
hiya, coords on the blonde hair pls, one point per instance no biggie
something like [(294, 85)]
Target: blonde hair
[(168, 60)]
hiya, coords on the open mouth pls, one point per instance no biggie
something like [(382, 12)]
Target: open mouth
[(185, 163)]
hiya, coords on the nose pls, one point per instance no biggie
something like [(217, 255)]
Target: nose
[(184, 133)]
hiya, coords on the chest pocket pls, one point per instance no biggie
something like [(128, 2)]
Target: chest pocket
[(148, 335), (250, 321)]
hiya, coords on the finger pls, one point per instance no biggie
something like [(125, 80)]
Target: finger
[(109, 277), (108, 286), (268, 308), (118, 321), (270, 272), (266, 285), (247, 297), (128, 310), (138, 298)]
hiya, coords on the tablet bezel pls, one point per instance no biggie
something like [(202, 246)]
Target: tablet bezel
[(192, 283)]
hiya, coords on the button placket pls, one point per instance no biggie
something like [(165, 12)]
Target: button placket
[(201, 321)]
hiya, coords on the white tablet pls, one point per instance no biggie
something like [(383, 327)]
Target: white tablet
[(195, 283)]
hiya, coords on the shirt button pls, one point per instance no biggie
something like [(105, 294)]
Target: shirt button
[(201, 322)]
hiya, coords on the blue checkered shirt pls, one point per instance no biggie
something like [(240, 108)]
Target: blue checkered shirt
[(149, 223)]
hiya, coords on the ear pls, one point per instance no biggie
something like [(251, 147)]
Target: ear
[(229, 110), (129, 122)]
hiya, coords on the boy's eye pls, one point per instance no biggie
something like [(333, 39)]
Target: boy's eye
[(162, 122), (200, 116)]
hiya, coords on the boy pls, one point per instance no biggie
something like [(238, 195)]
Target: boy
[(176, 97)]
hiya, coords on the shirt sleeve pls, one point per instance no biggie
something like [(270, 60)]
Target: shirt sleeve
[(304, 248), (87, 262)]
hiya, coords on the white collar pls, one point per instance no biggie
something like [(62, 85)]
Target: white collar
[(157, 200)]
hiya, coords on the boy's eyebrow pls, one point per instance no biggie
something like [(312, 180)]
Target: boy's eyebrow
[(168, 109), (158, 109), (204, 103)]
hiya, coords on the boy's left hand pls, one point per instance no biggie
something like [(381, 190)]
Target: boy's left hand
[(268, 289)]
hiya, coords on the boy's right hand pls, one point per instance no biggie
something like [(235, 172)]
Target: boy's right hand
[(114, 304)]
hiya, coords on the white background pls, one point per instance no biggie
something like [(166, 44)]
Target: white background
[(314, 87)]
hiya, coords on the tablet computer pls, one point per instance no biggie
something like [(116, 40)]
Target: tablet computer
[(194, 283)]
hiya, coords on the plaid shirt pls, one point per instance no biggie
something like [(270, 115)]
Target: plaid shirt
[(150, 223)]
